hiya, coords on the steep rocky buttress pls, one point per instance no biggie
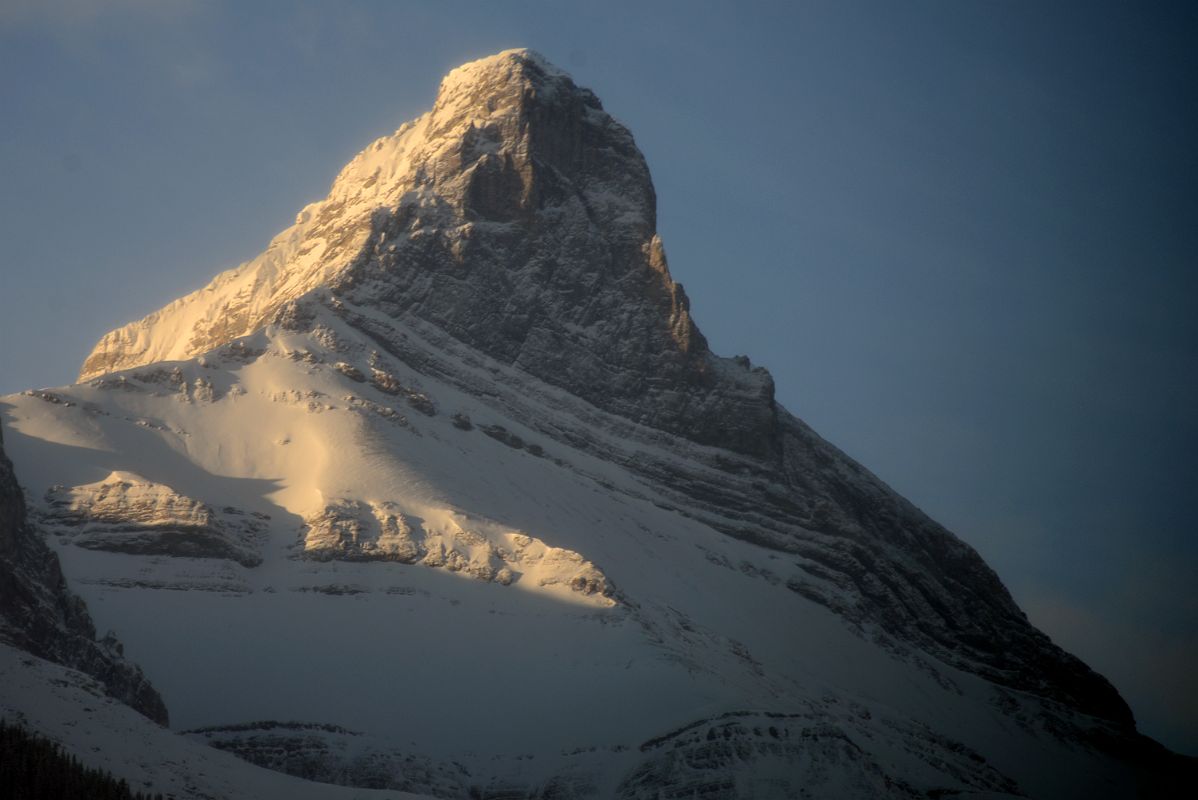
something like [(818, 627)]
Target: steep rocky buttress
[(40, 615)]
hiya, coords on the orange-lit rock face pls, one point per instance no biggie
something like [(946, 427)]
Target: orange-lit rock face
[(518, 217)]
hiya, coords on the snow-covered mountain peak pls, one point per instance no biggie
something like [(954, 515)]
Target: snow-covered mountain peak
[(504, 244), (516, 59), (509, 75), (438, 162), (458, 421), (473, 96), (518, 217)]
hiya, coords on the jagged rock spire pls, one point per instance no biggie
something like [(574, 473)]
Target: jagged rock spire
[(519, 217)]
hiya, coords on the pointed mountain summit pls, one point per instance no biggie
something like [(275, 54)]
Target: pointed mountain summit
[(517, 216), (458, 421)]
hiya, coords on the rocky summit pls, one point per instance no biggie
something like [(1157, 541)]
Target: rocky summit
[(446, 493), (518, 217)]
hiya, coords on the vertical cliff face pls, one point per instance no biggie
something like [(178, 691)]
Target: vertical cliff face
[(529, 233), (40, 615)]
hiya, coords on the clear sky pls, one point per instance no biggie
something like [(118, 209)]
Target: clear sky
[(962, 236)]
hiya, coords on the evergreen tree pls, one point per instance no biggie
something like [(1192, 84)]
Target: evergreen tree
[(34, 768)]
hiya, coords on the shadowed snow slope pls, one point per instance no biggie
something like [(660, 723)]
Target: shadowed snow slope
[(446, 493), (72, 709)]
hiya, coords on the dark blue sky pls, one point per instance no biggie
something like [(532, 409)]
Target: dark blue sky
[(963, 236)]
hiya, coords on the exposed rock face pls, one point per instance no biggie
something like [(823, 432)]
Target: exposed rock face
[(909, 575), (40, 615), (513, 226), (519, 217), (816, 754), (126, 513), (821, 752), (331, 754), (529, 233), (351, 530)]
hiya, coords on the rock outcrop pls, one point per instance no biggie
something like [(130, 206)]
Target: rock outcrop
[(126, 513), (350, 530)]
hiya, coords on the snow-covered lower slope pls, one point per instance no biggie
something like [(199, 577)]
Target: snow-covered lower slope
[(437, 597), (72, 709)]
